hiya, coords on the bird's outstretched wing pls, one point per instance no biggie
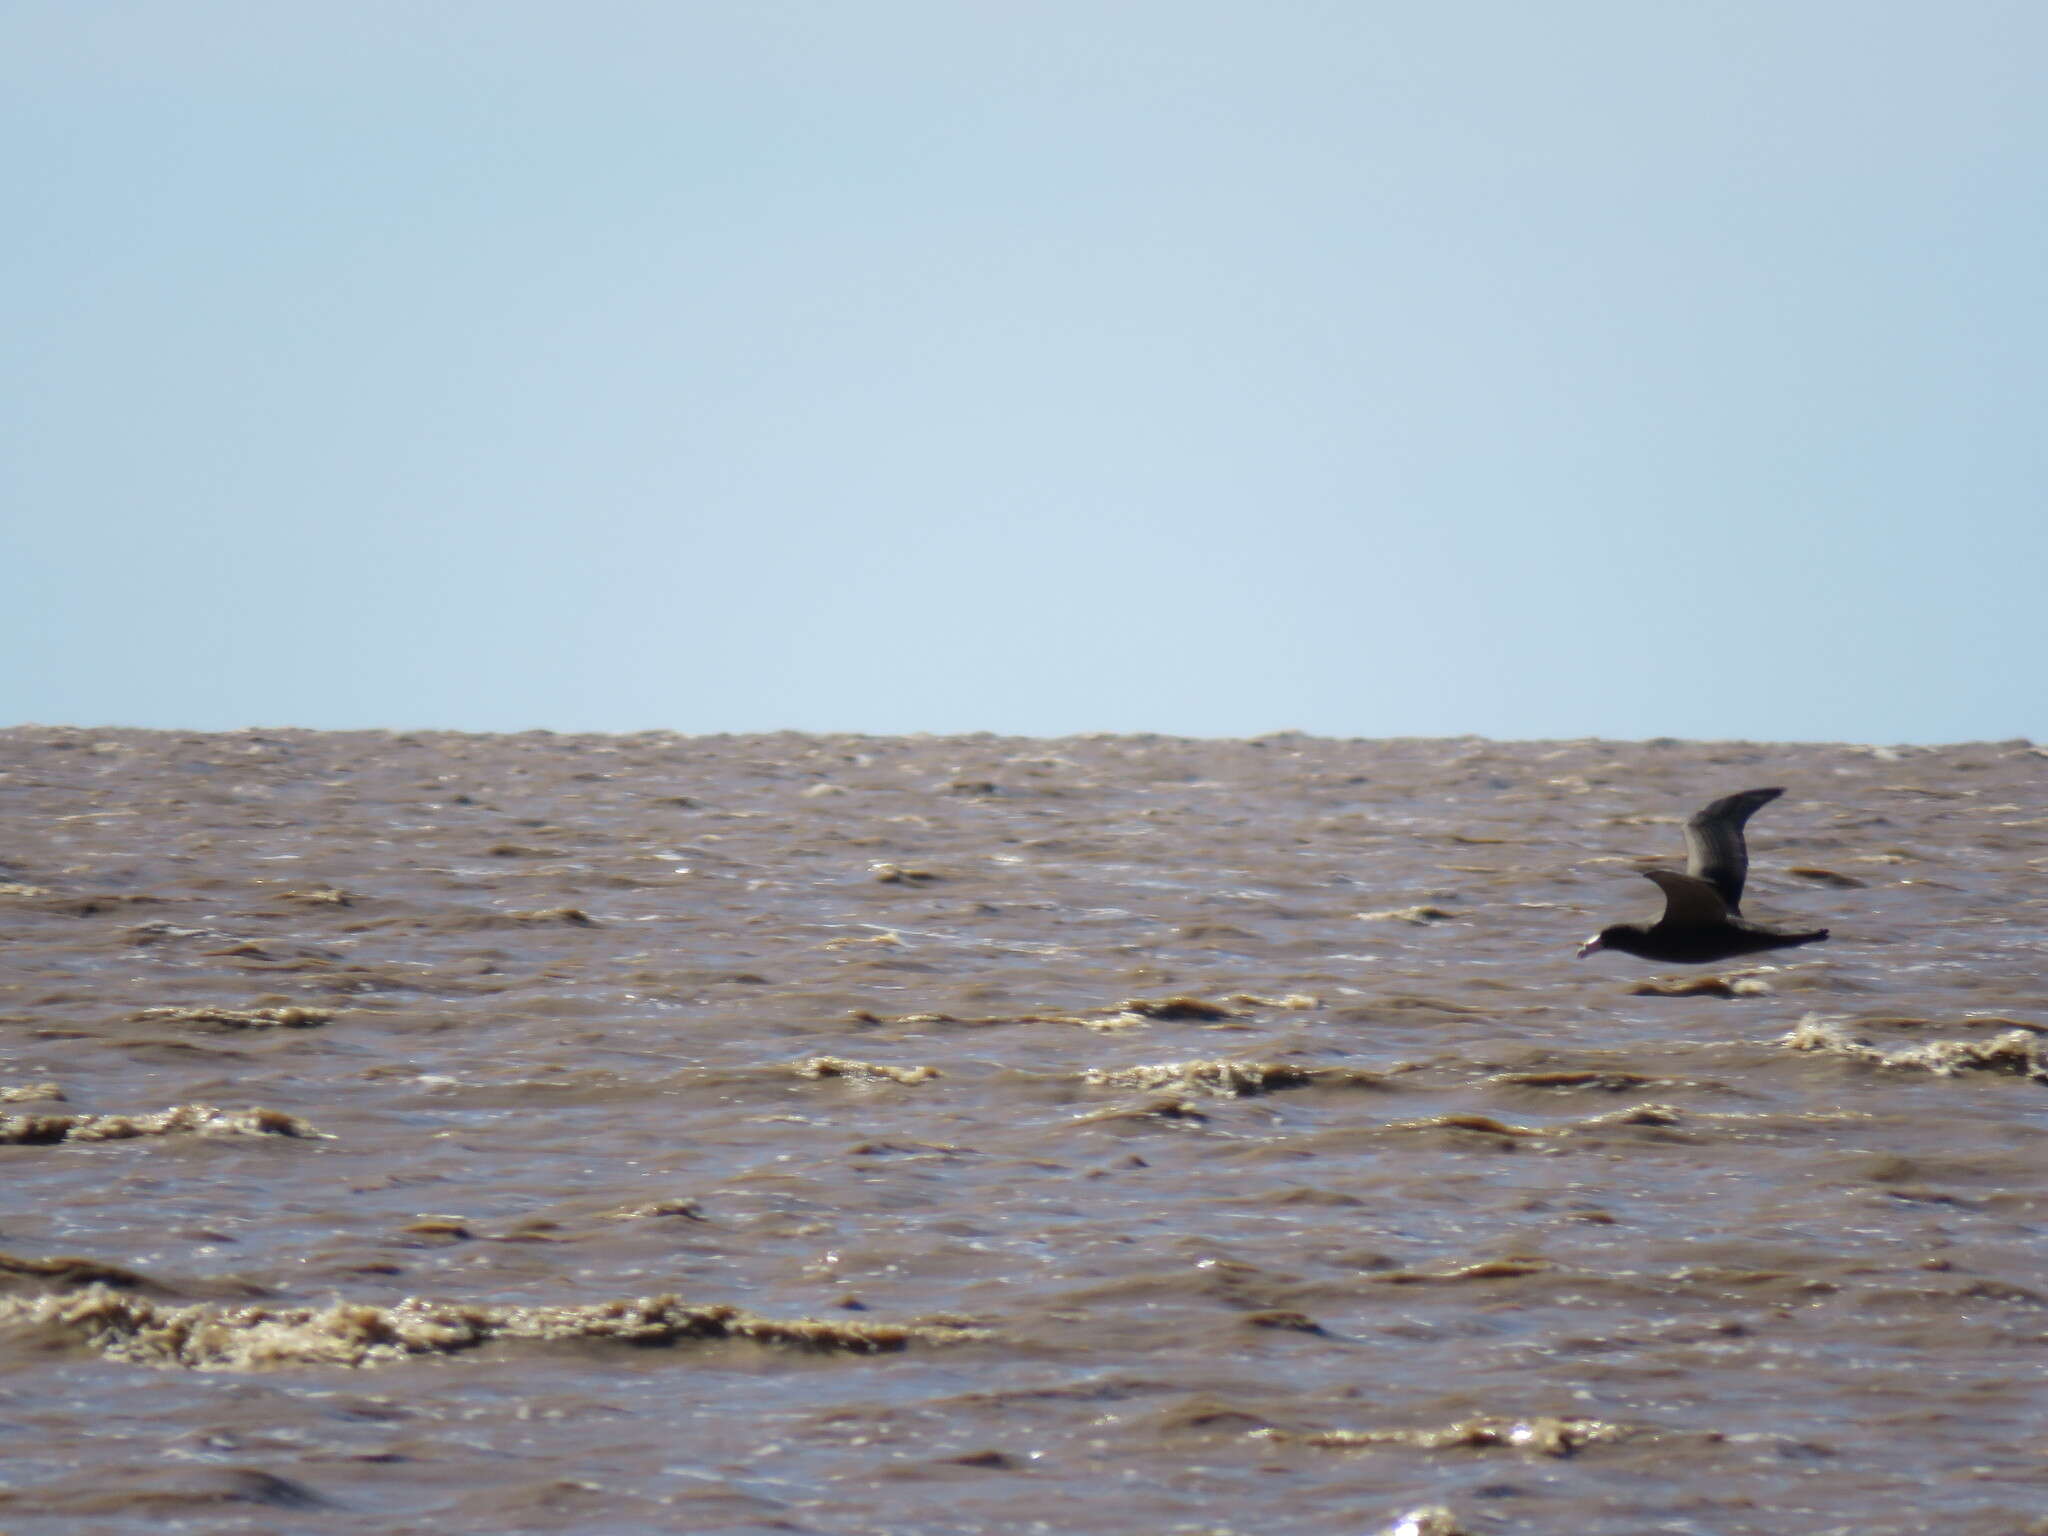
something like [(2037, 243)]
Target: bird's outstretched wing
[(1689, 902), (1714, 848)]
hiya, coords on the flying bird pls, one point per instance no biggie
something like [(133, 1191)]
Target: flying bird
[(1702, 921)]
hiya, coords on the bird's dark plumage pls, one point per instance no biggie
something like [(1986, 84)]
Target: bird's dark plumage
[(1702, 921), (1714, 848)]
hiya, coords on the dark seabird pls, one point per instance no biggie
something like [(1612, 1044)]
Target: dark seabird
[(1702, 920)]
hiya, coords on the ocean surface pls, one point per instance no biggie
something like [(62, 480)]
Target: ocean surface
[(436, 1133)]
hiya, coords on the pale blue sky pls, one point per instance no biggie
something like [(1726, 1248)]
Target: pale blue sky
[(1523, 369)]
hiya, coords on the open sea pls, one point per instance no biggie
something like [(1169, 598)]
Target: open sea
[(455, 1135)]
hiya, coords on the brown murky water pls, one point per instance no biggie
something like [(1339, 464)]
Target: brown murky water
[(437, 1133)]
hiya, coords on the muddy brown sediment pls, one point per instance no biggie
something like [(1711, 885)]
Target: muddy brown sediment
[(683, 1104)]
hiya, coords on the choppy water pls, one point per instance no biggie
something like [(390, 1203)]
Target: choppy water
[(438, 1133)]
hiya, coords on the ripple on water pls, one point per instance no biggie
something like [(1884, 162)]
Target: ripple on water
[(846, 1133)]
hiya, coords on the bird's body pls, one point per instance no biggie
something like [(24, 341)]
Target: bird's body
[(1702, 921)]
